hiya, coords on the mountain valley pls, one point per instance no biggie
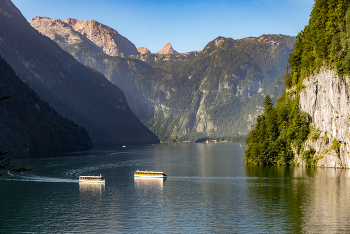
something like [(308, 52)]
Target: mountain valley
[(75, 91), (190, 95)]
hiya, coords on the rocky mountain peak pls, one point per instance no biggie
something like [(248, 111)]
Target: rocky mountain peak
[(218, 41), (39, 18), (143, 50), (167, 49), (106, 39), (213, 45), (70, 21)]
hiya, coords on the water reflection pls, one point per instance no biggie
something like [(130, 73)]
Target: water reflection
[(91, 188), (149, 182), (311, 200)]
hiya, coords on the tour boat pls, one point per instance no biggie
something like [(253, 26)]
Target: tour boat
[(92, 179), (150, 174)]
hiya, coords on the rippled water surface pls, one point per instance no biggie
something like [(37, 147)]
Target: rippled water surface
[(210, 189)]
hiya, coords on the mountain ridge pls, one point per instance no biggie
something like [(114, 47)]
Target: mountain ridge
[(75, 91), (106, 39), (181, 96)]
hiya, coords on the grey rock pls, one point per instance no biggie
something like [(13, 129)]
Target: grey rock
[(326, 100)]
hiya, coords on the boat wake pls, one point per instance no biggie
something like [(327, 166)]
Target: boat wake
[(34, 178)]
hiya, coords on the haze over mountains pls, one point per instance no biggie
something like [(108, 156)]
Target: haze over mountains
[(29, 125), (75, 91), (217, 91), (214, 92)]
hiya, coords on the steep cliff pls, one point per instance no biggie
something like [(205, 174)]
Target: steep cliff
[(320, 71), (326, 99), (317, 133)]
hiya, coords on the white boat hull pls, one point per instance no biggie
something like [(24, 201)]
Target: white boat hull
[(92, 181), (149, 176)]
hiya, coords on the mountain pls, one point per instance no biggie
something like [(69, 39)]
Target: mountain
[(99, 36), (75, 91), (143, 50), (311, 118), (197, 94), (29, 125), (165, 58), (167, 49)]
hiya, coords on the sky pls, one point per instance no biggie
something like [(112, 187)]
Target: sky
[(189, 25)]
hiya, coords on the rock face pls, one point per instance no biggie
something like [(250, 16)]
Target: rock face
[(167, 49), (106, 39), (143, 50), (326, 98)]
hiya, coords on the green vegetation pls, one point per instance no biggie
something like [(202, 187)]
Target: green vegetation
[(336, 147), (278, 131), (324, 42), (29, 125), (309, 157), (314, 133)]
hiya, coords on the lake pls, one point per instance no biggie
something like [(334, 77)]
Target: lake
[(209, 189)]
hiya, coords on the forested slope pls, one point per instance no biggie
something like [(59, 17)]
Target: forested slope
[(29, 125)]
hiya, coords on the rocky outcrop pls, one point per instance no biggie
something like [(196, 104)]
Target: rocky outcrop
[(326, 99), (143, 50), (167, 49), (173, 58), (105, 39)]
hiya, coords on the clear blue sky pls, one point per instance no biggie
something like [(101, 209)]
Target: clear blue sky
[(187, 24)]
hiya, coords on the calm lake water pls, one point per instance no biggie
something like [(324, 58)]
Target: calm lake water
[(210, 189)]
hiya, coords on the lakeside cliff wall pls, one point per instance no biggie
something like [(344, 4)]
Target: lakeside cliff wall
[(326, 99)]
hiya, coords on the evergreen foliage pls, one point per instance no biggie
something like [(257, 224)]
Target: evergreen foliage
[(324, 42), (278, 131), (29, 125)]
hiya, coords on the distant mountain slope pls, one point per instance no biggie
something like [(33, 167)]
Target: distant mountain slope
[(29, 125), (75, 91), (189, 96)]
